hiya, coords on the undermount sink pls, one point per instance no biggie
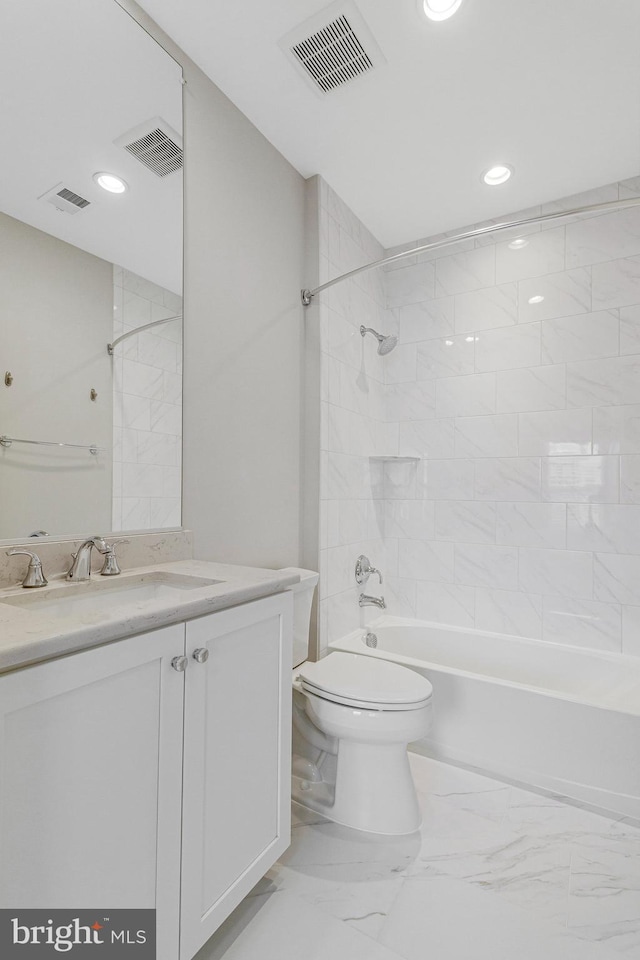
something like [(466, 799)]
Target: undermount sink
[(100, 600)]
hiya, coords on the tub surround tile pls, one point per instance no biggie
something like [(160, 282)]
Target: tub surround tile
[(630, 630), (409, 519), (616, 578), (411, 284), (483, 565), (411, 401), (630, 479), (492, 436), (602, 382), (543, 254), (616, 283), (466, 521), (630, 330), (446, 603), (432, 439), (425, 560), (466, 396), (583, 623), (556, 433), (536, 389), (590, 479), (449, 479), (507, 611), (589, 336), (466, 271), (603, 527), (533, 525), (508, 479), (564, 294), (557, 572), (508, 348), (427, 320), (450, 357), (611, 236), (488, 308)]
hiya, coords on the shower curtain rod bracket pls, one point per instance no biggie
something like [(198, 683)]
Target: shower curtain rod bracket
[(307, 296)]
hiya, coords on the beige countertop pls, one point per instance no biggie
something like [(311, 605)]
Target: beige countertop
[(29, 635)]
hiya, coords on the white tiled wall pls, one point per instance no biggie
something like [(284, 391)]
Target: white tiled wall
[(147, 413), (523, 514)]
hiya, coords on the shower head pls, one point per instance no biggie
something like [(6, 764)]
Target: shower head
[(385, 344)]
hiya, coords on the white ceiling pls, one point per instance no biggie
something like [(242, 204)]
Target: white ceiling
[(76, 74), (549, 86)]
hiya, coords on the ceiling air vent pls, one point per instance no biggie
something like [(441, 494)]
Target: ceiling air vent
[(64, 199), (333, 48), (156, 145)]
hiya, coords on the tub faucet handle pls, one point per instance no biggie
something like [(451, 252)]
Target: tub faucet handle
[(364, 570)]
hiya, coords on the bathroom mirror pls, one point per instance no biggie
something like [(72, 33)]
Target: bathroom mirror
[(89, 442)]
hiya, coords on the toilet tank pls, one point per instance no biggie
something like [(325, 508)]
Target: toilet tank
[(302, 600)]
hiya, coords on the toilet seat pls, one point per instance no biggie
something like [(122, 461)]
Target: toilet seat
[(366, 682)]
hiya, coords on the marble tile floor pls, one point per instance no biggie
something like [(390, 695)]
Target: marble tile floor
[(495, 872)]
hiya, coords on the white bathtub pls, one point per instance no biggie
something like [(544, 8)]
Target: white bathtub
[(545, 715)]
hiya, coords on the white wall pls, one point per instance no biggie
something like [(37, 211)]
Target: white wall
[(244, 247), (147, 406), (57, 316)]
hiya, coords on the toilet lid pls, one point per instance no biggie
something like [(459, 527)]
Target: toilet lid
[(351, 677)]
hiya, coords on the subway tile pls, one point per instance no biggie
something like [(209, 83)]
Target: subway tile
[(427, 438), (606, 237), (555, 433), (603, 382), (410, 284), (400, 597), (467, 521), (616, 578), (448, 603), (141, 380), (484, 565), (400, 365), (532, 525), (564, 294), (508, 479), (603, 527), (583, 623), (493, 436), (466, 396), (400, 480), (409, 519), (427, 321), (615, 283), (448, 479), (630, 479), (425, 560), (543, 254), (508, 348), (616, 429), (486, 309), (411, 401), (510, 612), (450, 357), (586, 337), (581, 479), (630, 330), (558, 572), (462, 272), (165, 417), (541, 388)]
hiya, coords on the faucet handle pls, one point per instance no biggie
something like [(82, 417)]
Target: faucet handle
[(364, 570), (34, 576), (111, 567)]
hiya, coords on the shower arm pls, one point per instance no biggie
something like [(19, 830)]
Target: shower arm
[(610, 205), (131, 333)]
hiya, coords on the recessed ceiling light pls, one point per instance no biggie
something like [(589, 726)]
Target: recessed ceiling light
[(537, 299), (439, 9), (518, 244), (110, 182), (497, 174)]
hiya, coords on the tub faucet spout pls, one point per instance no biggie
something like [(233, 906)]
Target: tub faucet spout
[(366, 601)]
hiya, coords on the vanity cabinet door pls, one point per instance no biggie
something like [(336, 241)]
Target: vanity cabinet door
[(237, 759), (90, 781)]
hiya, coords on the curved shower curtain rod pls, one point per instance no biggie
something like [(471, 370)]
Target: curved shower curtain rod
[(131, 333), (307, 295)]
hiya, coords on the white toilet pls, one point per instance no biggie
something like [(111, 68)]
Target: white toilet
[(353, 717)]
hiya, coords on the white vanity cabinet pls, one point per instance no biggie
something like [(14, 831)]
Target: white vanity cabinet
[(125, 782)]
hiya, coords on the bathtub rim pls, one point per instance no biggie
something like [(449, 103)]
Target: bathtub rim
[(354, 643)]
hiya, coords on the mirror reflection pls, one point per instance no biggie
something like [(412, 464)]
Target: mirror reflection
[(89, 440)]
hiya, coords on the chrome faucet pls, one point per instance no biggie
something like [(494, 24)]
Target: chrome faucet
[(81, 567), (364, 570), (34, 576), (366, 601)]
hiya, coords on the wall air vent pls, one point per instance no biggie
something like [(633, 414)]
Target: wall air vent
[(156, 145), (64, 199), (333, 48)]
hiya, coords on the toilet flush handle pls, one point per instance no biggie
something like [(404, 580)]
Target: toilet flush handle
[(364, 570)]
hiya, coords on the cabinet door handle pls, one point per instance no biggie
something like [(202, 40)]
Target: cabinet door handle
[(201, 655), (179, 664)]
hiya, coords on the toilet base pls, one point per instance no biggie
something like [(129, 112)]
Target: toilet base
[(373, 791)]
